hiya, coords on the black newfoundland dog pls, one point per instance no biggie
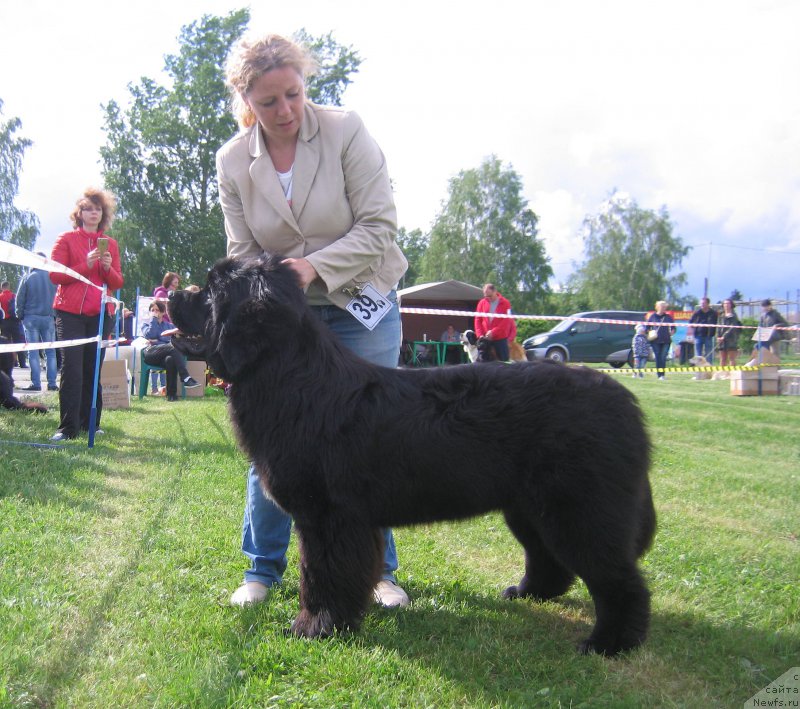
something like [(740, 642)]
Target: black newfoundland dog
[(346, 448)]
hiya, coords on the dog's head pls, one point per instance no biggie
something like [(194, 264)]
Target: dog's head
[(469, 341), (247, 309), (486, 352)]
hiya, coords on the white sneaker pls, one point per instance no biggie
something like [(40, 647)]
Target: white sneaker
[(248, 593), (390, 595)]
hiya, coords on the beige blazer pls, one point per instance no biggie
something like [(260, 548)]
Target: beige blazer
[(341, 218)]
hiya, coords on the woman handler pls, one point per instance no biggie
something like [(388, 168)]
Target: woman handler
[(307, 182)]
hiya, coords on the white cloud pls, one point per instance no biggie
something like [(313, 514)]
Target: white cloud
[(692, 104)]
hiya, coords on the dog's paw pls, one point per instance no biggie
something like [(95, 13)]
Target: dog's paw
[(612, 644), (592, 647), (310, 625), (511, 593)]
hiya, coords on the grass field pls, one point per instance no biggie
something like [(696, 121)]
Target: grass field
[(116, 564)]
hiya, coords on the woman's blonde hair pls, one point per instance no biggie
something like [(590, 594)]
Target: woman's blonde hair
[(662, 302), (251, 58), (99, 198)]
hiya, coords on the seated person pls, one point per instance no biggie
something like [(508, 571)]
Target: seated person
[(7, 398), (161, 353), (453, 348)]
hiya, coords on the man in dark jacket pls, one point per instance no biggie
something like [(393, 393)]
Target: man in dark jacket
[(35, 307), (772, 318), (704, 336)]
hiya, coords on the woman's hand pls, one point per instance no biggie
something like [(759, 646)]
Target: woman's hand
[(303, 269), (95, 255)]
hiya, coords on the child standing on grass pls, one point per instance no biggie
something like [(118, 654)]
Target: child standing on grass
[(641, 350)]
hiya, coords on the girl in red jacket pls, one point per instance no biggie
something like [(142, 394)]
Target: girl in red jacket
[(95, 256)]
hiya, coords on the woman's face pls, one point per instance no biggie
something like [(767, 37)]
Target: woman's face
[(727, 305), (173, 285), (91, 215), (661, 308), (277, 98)]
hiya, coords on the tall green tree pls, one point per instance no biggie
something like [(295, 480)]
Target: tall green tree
[(631, 255), (335, 64), (413, 245), (486, 233), (17, 226), (159, 156)]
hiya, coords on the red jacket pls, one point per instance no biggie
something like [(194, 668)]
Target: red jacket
[(494, 328), (7, 304), (72, 295)]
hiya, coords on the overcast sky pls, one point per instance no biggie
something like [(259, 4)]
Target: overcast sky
[(692, 104)]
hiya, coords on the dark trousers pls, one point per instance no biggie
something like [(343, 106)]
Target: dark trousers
[(500, 349), (169, 358), (12, 329), (77, 371)]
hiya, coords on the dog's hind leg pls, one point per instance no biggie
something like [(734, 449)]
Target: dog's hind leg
[(544, 577), (622, 607), (607, 564), (340, 564)]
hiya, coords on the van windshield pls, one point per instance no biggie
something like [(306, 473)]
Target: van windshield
[(563, 325)]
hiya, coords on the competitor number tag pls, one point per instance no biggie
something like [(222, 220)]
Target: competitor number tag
[(368, 306)]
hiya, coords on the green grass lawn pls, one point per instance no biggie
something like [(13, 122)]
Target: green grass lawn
[(116, 565)]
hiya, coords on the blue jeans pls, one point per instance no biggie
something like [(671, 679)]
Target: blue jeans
[(266, 528), (704, 347), (41, 328), (660, 350), (640, 363)]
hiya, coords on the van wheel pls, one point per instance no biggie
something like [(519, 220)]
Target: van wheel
[(619, 363), (556, 355)]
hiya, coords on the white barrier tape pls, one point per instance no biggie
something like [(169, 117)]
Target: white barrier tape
[(515, 316), (11, 253), (26, 346)]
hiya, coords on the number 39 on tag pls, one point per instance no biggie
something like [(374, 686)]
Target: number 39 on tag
[(369, 307)]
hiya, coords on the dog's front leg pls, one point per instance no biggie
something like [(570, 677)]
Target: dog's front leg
[(340, 564)]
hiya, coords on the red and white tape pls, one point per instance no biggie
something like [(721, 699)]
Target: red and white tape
[(515, 316)]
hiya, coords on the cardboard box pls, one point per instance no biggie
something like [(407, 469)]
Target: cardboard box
[(116, 384), (197, 371), (789, 382), (746, 383)]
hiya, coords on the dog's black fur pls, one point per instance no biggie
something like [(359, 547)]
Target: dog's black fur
[(346, 448)]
